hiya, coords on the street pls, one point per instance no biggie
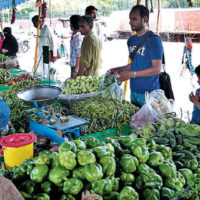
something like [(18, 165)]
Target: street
[(115, 53)]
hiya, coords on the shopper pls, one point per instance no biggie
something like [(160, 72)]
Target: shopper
[(195, 99), (1, 39), (92, 11), (90, 49), (144, 70), (10, 44), (75, 45)]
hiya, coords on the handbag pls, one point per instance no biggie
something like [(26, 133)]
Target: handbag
[(164, 78)]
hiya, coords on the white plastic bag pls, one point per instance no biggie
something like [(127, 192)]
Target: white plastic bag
[(107, 80), (148, 113)]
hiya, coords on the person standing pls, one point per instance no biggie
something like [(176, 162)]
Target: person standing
[(145, 68), (92, 11), (10, 44), (47, 38), (75, 45), (90, 49), (1, 39)]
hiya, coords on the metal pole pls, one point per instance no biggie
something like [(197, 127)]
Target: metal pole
[(158, 18), (37, 39), (50, 12)]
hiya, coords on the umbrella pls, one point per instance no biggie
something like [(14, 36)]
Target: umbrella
[(4, 4)]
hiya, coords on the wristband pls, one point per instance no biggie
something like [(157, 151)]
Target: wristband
[(134, 74)]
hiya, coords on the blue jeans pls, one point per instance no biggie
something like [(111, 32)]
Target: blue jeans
[(138, 99)]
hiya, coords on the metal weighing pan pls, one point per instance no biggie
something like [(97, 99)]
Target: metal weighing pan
[(40, 95)]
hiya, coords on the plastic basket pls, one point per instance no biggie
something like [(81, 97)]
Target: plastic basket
[(126, 130), (4, 88)]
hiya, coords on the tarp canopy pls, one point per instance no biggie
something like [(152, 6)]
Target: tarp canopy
[(9, 3)]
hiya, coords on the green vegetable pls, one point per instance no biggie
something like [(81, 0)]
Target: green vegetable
[(58, 174), (91, 142), (151, 194), (153, 181), (68, 159), (166, 151), (72, 186), (187, 173), (102, 186), (128, 193), (145, 169), (168, 169), (26, 195), (28, 186), (67, 197), (93, 172), (79, 144), (142, 153), (102, 151), (68, 146), (85, 157), (112, 196), (155, 159), (127, 179), (38, 173), (42, 196), (46, 186), (167, 193), (109, 165), (5, 76), (115, 184), (55, 160), (43, 159), (129, 163), (79, 173)]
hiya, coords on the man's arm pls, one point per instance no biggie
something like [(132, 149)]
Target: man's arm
[(118, 70), (195, 99), (155, 69), (81, 70)]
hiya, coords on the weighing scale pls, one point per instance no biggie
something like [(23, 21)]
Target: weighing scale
[(48, 123)]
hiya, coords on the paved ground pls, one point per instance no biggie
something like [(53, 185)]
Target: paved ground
[(115, 54)]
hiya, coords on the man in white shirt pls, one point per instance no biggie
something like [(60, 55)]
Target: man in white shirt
[(47, 38)]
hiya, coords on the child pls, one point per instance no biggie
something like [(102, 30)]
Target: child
[(195, 99)]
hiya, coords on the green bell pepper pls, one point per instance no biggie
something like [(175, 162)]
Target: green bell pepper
[(115, 144), (145, 169), (46, 186), (101, 151), (91, 142), (43, 159), (139, 142), (153, 181), (125, 140), (58, 174), (142, 153), (85, 157), (151, 194), (29, 166), (167, 193), (155, 159), (46, 153), (79, 173), (166, 151), (181, 178), (55, 160), (128, 163), (26, 195), (128, 193), (28, 186), (38, 173), (67, 197), (139, 182), (168, 169), (173, 183), (68, 159), (72, 186), (127, 179), (42, 196), (110, 147), (187, 173), (112, 196), (79, 144), (109, 165), (68, 146), (115, 184), (152, 146), (102, 186), (93, 172)]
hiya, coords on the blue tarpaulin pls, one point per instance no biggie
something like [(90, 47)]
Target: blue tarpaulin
[(9, 3)]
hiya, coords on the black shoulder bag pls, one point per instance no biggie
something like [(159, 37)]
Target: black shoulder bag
[(164, 78)]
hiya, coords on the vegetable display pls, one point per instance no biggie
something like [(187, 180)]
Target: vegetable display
[(104, 113), (117, 173), (4, 58), (22, 77), (5, 76)]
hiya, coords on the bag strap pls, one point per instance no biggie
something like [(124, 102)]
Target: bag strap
[(140, 44)]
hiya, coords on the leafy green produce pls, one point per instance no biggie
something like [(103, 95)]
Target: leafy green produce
[(5, 76), (4, 58)]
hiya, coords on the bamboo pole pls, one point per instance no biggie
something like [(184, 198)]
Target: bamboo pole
[(129, 61), (50, 12), (158, 18), (37, 39)]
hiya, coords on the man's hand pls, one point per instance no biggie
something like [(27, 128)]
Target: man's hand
[(4, 50), (194, 98), (114, 71), (126, 75), (54, 59)]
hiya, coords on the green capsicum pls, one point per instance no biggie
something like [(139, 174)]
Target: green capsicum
[(79, 144), (173, 183), (26, 195), (38, 173), (127, 179), (151, 194), (110, 147), (72, 186), (46, 186), (187, 173), (91, 142), (128, 193), (102, 186), (42, 196), (28, 186), (167, 193), (128, 163), (68, 159), (115, 184), (58, 174), (167, 169), (67, 197), (139, 142), (142, 153), (112, 196), (166, 151), (79, 173), (101, 151), (155, 159), (46, 153), (93, 172), (145, 169), (109, 165), (125, 140), (68, 146), (55, 160), (153, 181), (43, 159), (85, 157)]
